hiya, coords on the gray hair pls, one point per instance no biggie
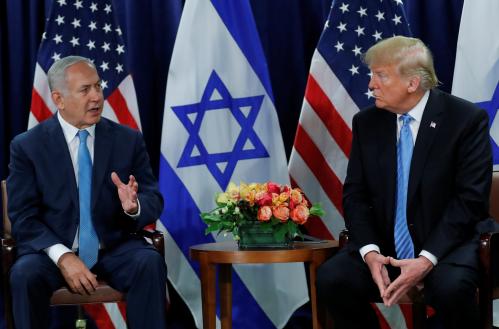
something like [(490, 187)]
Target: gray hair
[(411, 56), (56, 75)]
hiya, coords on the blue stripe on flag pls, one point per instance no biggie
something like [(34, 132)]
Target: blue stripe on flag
[(189, 229), (243, 30)]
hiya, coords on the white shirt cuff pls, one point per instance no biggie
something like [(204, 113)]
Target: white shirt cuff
[(56, 251), (430, 257), (368, 248), (138, 211)]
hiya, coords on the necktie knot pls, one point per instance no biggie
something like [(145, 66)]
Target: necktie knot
[(82, 135), (406, 119)]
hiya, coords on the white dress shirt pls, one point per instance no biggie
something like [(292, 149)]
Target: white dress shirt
[(73, 141), (417, 114)]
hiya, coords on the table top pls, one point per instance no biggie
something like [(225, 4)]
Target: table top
[(228, 252)]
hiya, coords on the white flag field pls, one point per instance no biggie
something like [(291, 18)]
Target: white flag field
[(220, 125)]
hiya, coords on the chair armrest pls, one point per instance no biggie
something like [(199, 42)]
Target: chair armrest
[(8, 254), (344, 238), (489, 246), (157, 238), (8, 257)]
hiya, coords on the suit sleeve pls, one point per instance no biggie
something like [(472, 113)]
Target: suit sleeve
[(151, 201), (469, 203), (358, 210), (25, 202)]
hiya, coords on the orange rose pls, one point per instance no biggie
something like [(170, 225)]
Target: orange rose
[(264, 214), (296, 196), (300, 214), (281, 213)]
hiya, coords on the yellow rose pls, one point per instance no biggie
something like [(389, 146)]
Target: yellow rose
[(222, 198), (232, 191)]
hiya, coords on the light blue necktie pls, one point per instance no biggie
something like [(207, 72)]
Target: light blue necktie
[(88, 241), (403, 241)]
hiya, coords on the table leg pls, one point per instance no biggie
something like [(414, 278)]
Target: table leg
[(312, 272), (208, 292), (225, 282)]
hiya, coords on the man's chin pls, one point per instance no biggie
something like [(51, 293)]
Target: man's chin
[(379, 104)]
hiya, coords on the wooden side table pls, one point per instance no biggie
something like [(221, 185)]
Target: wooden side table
[(224, 254)]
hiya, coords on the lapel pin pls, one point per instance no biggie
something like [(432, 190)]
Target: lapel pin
[(433, 124)]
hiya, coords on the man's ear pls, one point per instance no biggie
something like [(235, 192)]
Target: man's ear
[(414, 83), (58, 99)]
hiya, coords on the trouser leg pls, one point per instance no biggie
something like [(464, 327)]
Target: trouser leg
[(33, 279)]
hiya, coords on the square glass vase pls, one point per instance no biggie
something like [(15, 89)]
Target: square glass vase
[(253, 235)]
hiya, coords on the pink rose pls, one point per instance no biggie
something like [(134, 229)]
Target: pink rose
[(273, 187), (299, 214), (281, 213), (264, 213), (263, 199)]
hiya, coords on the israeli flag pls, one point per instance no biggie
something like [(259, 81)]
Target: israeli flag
[(220, 125), (476, 72)]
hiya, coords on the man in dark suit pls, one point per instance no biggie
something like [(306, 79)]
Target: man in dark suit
[(72, 216), (417, 184)]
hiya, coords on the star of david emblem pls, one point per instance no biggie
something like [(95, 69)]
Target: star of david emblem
[(492, 107), (247, 145)]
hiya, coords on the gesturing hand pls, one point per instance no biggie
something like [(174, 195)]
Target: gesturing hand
[(78, 277), (127, 193), (412, 271), (377, 265)]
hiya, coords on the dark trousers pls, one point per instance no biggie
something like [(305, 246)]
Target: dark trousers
[(345, 286), (133, 267)]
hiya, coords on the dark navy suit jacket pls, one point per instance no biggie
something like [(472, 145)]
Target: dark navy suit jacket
[(43, 197), (449, 181)]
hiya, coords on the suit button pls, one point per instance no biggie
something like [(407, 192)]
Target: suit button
[(411, 225)]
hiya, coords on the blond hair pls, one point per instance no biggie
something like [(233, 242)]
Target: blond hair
[(411, 56)]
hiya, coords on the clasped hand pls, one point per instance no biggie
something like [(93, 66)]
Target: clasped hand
[(127, 193), (412, 272)]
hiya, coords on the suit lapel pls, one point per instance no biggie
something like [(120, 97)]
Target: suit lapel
[(387, 156), (102, 151), (430, 123), (57, 148)]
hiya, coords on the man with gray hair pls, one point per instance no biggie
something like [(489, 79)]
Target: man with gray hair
[(417, 185), (72, 216)]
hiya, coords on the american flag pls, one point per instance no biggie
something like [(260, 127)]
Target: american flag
[(88, 28), (336, 90)]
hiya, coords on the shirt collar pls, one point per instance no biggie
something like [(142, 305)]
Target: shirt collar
[(70, 131), (417, 111)]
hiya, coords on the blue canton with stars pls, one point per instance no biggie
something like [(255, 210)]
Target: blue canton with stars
[(239, 152), (86, 28), (492, 107)]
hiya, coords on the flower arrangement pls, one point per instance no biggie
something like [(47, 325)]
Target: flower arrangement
[(276, 207)]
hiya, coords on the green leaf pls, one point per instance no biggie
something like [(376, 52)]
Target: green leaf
[(280, 232), (274, 221), (292, 229), (210, 216), (212, 228), (317, 210), (265, 225)]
